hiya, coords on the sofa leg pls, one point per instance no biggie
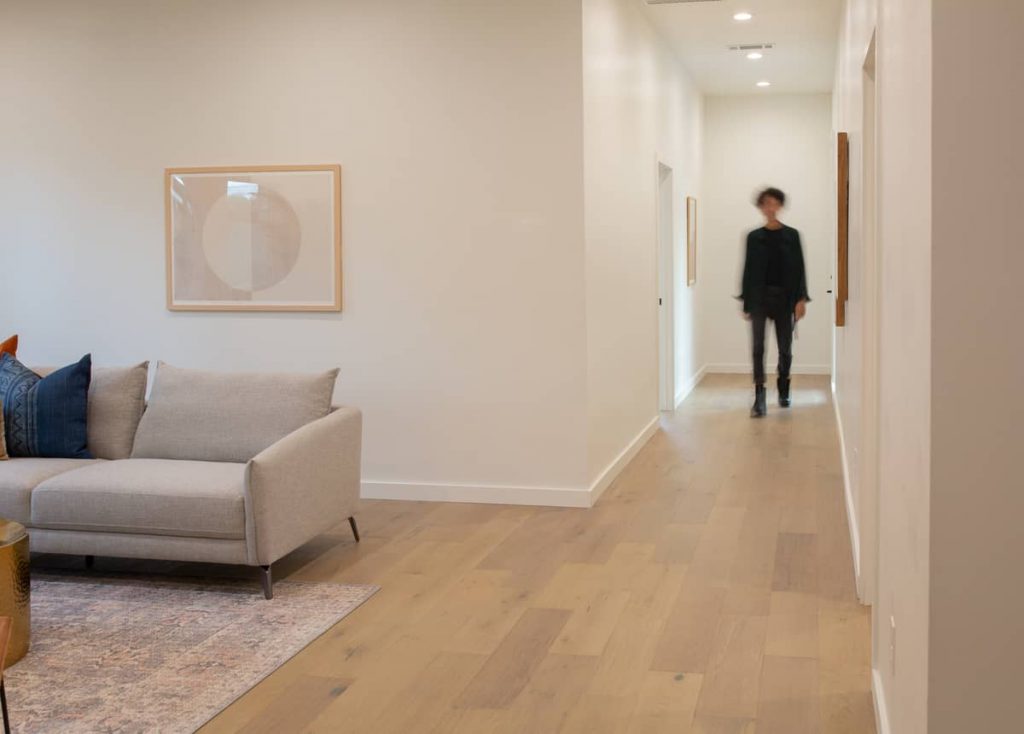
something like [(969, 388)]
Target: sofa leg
[(355, 528), (268, 582), (89, 561), (3, 704)]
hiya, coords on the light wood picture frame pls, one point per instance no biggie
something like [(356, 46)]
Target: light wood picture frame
[(253, 238), (691, 241), (842, 288)]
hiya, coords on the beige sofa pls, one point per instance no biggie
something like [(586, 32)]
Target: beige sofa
[(216, 467)]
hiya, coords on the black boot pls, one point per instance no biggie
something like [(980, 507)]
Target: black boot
[(760, 408), (784, 392)]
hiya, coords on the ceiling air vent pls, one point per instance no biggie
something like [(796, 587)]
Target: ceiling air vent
[(679, 2), (752, 47)]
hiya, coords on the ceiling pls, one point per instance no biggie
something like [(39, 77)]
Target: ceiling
[(805, 34)]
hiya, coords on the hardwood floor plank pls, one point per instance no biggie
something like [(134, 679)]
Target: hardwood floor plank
[(600, 713), (847, 706), (666, 703), (792, 635), (556, 686), (789, 702), (296, 706), (479, 612), (693, 508), (508, 669), (845, 639), (426, 700), (732, 680), (678, 543), (718, 546), (754, 562), (685, 642), (632, 645), (590, 626), (796, 563), (722, 725)]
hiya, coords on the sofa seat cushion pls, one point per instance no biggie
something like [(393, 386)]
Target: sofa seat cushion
[(194, 499), (18, 477)]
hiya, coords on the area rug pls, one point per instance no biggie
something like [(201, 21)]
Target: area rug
[(132, 655)]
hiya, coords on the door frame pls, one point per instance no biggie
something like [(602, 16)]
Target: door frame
[(871, 290), (665, 280)]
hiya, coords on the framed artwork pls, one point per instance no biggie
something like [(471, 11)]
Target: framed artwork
[(691, 240), (843, 228), (262, 238)]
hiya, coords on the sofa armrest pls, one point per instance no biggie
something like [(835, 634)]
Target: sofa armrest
[(303, 485)]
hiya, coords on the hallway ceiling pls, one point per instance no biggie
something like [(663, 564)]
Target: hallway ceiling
[(805, 34)]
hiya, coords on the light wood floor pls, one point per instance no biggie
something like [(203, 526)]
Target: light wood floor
[(710, 590)]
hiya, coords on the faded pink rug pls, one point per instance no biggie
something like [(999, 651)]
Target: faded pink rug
[(132, 655)]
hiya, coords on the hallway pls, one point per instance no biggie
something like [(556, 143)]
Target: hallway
[(710, 590)]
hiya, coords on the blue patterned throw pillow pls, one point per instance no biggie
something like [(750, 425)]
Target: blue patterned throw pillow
[(45, 416)]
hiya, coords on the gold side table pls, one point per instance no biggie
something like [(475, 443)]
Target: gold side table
[(14, 587)]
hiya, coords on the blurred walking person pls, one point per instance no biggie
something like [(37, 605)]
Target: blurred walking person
[(774, 288)]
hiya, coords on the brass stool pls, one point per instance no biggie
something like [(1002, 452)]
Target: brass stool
[(14, 587)]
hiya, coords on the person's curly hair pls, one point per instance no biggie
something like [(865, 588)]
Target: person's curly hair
[(774, 193)]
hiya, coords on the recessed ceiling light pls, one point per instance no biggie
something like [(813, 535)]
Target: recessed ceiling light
[(742, 16), (755, 55), (764, 84)]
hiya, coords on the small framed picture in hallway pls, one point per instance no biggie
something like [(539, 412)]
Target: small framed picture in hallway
[(691, 240)]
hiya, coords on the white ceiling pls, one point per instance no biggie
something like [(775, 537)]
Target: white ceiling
[(805, 33)]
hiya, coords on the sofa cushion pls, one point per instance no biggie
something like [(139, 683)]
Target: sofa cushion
[(46, 416), (18, 477), (117, 397), (197, 499), (219, 416)]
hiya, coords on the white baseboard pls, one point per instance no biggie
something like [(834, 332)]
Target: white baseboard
[(477, 493), (605, 478), (881, 710), (738, 368), (851, 513), (508, 495), (690, 385)]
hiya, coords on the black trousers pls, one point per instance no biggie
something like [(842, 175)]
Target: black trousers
[(775, 306)]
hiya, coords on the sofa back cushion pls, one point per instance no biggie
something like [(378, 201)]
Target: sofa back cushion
[(117, 397), (218, 416)]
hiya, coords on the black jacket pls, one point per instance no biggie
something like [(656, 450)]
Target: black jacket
[(755, 268)]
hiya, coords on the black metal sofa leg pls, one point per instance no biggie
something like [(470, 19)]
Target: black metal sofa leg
[(355, 528), (267, 580), (3, 704)]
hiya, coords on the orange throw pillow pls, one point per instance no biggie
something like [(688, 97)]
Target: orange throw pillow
[(10, 346)]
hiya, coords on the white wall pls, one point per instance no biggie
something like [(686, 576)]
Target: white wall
[(458, 126), (640, 107), (754, 141), (904, 227), (976, 622)]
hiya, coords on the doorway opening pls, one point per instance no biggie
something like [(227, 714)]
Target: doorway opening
[(666, 290)]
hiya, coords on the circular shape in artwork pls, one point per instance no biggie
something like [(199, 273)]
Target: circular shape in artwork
[(251, 237)]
